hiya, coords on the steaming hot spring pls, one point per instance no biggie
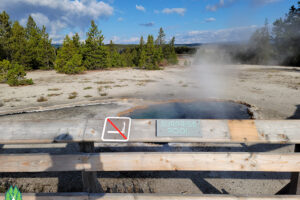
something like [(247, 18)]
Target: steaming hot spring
[(192, 110)]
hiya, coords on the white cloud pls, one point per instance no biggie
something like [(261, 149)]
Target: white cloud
[(115, 39), (263, 2), (216, 6), (222, 35), (57, 15), (131, 40), (120, 19), (149, 24), (90, 8), (226, 3), (179, 11), (211, 19), (40, 19), (120, 40), (140, 8)]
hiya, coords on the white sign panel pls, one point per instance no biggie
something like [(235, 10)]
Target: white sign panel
[(116, 129)]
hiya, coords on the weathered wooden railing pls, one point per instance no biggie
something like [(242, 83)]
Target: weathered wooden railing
[(88, 132)]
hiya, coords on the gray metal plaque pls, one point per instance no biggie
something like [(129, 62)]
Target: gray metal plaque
[(178, 128)]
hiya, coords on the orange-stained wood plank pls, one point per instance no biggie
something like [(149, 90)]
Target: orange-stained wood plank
[(243, 131)]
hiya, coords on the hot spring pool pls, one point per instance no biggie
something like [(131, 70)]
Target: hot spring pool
[(192, 110)]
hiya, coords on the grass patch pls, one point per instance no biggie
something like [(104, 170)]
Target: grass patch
[(84, 81), (141, 84), (7, 100), (185, 85), (54, 89), (122, 80), (104, 82), (42, 99), (73, 95), (120, 85), (147, 81), (88, 96), (87, 88), (54, 94), (103, 94), (100, 89), (107, 87)]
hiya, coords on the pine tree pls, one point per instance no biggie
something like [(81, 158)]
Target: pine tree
[(149, 51), (142, 42), (128, 56), (76, 41), (33, 38), (115, 57), (17, 44), (151, 55), (287, 38), (69, 59), (161, 37), (150, 45), (169, 52), (95, 54), (135, 57), (16, 76), (260, 42), (64, 54), (45, 51), (74, 65), (5, 65), (5, 31), (158, 55), (13, 74), (111, 46), (141, 54), (142, 58)]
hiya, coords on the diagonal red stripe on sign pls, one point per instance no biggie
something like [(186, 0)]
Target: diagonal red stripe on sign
[(117, 128)]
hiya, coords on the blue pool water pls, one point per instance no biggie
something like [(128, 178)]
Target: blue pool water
[(193, 110)]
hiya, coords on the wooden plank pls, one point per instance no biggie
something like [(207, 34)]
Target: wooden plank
[(294, 185), (279, 131), (46, 131), (49, 131), (130, 196), (89, 179), (244, 130), (185, 197), (166, 161)]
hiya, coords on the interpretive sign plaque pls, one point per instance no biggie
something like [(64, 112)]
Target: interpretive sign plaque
[(178, 128)]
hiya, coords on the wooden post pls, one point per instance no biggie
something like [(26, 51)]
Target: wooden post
[(295, 179), (89, 179)]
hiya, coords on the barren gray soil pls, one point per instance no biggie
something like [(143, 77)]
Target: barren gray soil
[(272, 91)]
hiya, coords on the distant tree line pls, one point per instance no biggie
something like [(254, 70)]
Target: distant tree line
[(75, 56), (281, 46), (30, 48)]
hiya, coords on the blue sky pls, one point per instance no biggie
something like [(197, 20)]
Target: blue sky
[(124, 21)]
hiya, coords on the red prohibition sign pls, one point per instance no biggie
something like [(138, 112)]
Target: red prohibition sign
[(117, 129)]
